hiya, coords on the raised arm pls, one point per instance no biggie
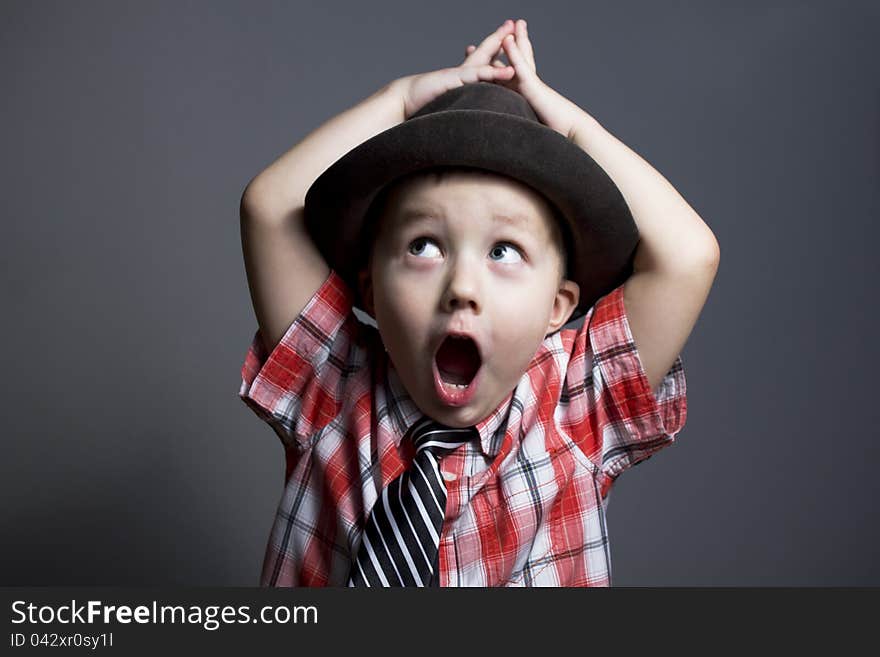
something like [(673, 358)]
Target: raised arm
[(677, 256), (676, 259), (284, 268)]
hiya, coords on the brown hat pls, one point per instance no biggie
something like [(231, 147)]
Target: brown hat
[(487, 126)]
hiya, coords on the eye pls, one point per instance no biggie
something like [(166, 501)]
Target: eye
[(502, 249), (417, 247)]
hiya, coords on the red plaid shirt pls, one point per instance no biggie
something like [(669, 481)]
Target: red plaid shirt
[(526, 504)]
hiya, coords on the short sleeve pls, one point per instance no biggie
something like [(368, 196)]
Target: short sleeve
[(628, 422), (298, 388)]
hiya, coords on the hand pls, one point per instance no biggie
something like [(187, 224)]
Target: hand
[(528, 74), (554, 110), (418, 90)]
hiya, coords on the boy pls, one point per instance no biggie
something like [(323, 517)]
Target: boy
[(468, 439)]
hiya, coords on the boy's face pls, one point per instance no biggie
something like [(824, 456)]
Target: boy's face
[(443, 261)]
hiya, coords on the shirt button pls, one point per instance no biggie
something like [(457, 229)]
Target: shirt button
[(448, 476)]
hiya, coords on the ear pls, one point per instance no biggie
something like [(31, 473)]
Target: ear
[(567, 297), (365, 287)]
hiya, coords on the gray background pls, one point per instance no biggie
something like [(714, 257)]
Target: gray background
[(131, 129)]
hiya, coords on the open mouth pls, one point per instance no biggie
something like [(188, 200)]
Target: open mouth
[(458, 370), (458, 361)]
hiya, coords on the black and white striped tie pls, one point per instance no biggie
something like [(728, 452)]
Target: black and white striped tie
[(399, 545)]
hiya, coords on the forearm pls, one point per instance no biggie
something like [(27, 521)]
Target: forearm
[(281, 187), (672, 234)]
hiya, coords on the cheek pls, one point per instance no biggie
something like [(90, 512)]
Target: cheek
[(402, 305), (519, 334)]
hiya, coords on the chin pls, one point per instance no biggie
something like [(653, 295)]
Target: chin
[(460, 418), (455, 417)]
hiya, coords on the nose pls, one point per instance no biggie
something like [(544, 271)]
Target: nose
[(463, 287)]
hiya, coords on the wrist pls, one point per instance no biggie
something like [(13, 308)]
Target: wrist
[(585, 130), (396, 91)]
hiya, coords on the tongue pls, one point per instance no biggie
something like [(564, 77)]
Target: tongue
[(457, 360)]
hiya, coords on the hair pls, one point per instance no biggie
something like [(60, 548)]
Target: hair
[(375, 214)]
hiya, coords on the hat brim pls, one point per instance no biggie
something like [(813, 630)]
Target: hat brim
[(601, 235)]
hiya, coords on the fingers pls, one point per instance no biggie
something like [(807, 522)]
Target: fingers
[(495, 62), (491, 44), (522, 41), (487, 73), (510, 39), (516, 57)]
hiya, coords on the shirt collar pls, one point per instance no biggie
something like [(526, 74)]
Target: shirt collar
[(404, 413)]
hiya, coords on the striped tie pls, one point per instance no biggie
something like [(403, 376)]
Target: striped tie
[(399, 546)]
